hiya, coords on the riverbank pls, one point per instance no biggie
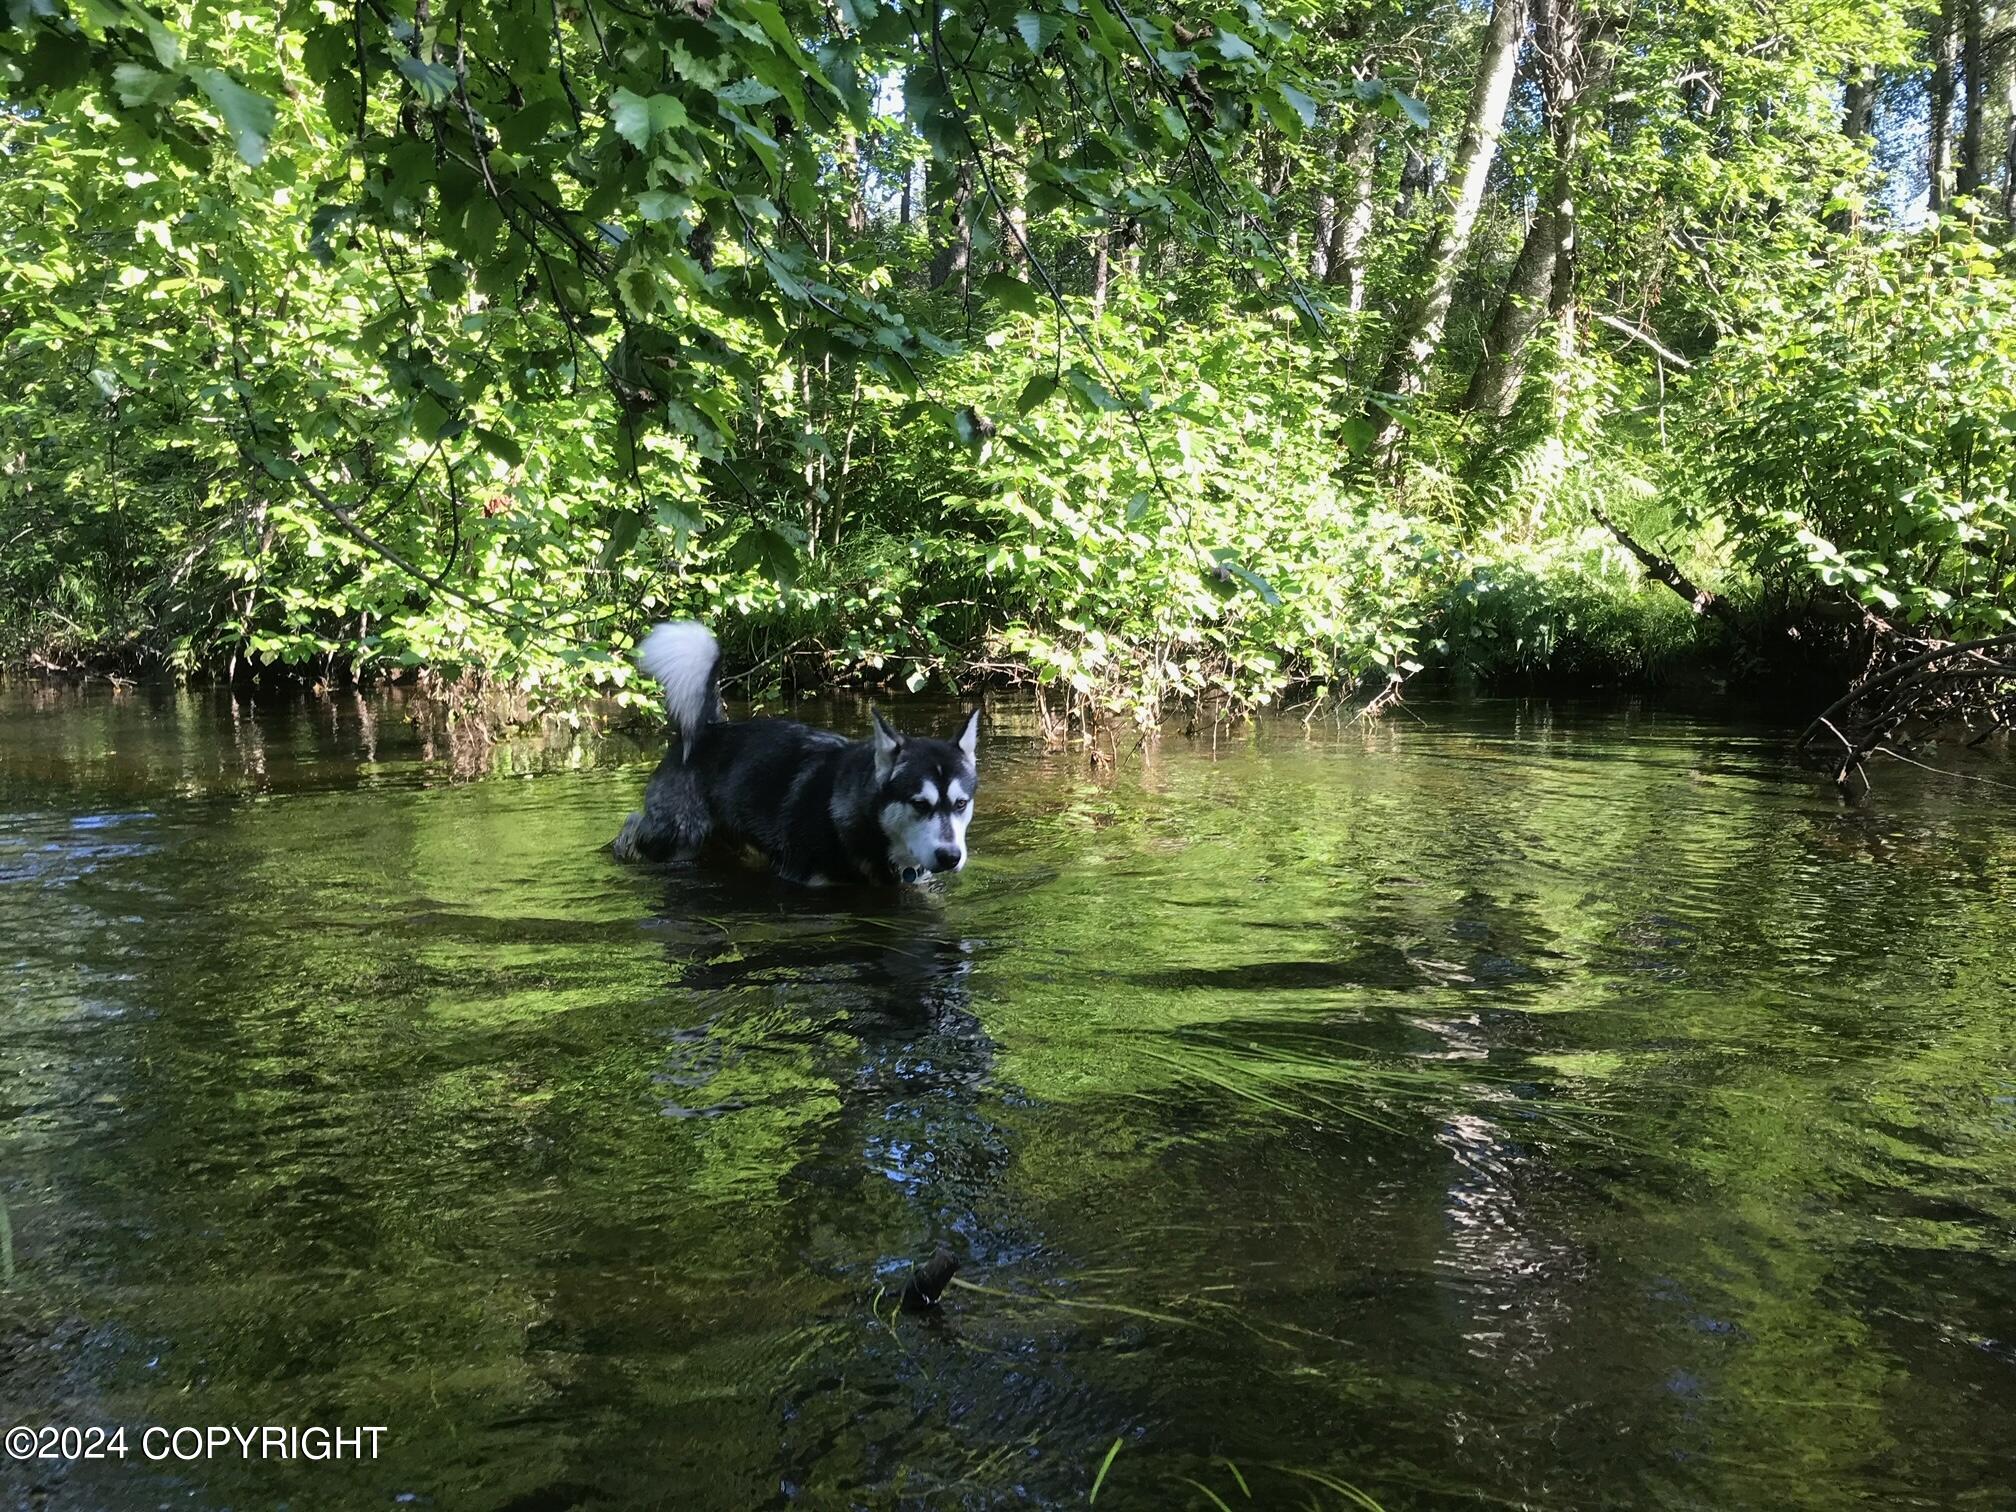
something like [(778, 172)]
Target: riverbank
[(1326, 604), (1518, 624)]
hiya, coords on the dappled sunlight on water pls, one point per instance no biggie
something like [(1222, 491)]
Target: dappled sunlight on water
[(1544, 1106)]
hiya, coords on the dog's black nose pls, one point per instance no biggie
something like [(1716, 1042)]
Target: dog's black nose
[(947, 860)]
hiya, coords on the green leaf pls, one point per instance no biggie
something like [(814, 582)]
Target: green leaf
[(1286, 118), (637, 287), (1038, 30), (771, 19), (433, 82), (1228, 561), (1011, 293), (1306, 312), (780, 74), (137, 84), (1092, 391), (167, 48), (1232, 47), (760, 141), (638, 119), (748, 92), (446, 280), (1303, 105), (662, 205), (678, 518), (249, 116), (1104, 1465), (706, 73), (774, 550), (1035, 392), (623, 533), (502, 447), (1414, 110), (689, 422), (430, 417), (787, 281)]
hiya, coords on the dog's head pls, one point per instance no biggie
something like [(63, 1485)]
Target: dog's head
[(924, 797)]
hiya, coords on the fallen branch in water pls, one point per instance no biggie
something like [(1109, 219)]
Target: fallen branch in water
[(1932, 683)]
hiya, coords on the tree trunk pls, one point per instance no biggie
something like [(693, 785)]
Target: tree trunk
[(1320, 236), (950, 209), (1974, 128), (1939, 138), (1858, 104), (851, 159), (1543, 279), (2009, 149), (1858, 124), (1663, 570), (1102, 255), (1420, 333), (1494, 386), (1351, 232), (1565, 44)]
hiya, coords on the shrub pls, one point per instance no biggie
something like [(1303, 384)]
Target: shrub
[(1865, 446)]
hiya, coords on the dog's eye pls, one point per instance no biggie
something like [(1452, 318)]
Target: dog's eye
[(959, 807), (922, 805)]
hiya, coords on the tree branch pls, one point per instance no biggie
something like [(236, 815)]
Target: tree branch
[(1664, 570), (1624, 327)]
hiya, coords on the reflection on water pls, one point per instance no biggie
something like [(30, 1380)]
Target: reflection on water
[(1550, 1107)]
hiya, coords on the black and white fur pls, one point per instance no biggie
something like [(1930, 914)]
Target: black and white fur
[(820, 808)]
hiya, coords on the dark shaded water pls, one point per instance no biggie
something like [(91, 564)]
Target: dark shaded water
[(1520, 1106)]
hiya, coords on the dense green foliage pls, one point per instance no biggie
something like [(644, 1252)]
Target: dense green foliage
[(1868, 441), (916, 343)]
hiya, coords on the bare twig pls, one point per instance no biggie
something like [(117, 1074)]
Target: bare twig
[(1624, 327)]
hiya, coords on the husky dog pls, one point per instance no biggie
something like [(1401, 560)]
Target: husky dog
[(820, 808)]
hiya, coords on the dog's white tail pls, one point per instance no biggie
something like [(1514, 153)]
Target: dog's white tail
[(685, 659)]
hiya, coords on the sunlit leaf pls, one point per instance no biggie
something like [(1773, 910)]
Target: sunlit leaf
[(249, 116)]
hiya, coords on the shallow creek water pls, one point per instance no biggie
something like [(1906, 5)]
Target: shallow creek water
[(1502, 1105)]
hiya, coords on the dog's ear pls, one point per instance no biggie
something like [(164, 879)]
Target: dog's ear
[(969, 737), (888, 741)]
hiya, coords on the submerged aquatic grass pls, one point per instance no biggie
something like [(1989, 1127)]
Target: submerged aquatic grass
[(1105, 1465)]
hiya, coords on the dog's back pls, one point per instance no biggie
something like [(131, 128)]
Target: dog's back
[(820, 807), (797, 794)]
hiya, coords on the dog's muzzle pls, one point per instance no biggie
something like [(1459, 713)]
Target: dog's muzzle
[(913, 874)]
